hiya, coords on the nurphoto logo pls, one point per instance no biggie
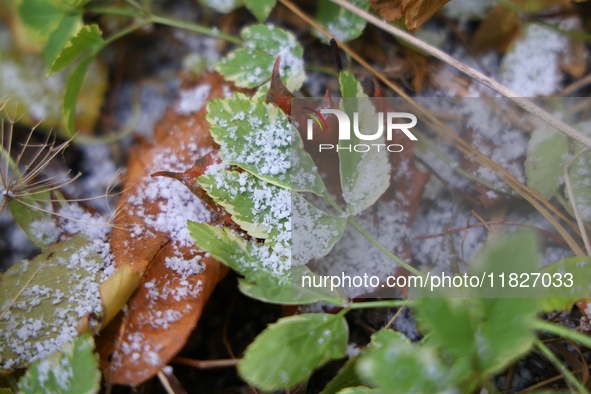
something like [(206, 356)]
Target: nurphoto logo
[(392, 119)]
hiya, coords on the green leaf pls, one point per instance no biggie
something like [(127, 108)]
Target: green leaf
[(71, 94), (288, 351), (314, 232), (547, 153), (41, 17), (304, 173), (395, 365), (42, 300), (224, 7), (450, 323), (342, 24), (39, 226), (365, 176), (73, 370), (260, 8), (579, 178), (267, 274), (357, 390), (346, 377), (58, 38), (89, 38), (253, 136), (252, 65), (506, 335), (259, 208), (563, 298), (72, 3), (516, 254)]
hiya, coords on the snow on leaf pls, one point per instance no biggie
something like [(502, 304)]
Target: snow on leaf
[(252, 64), (304, 173), (71, 370), (260, 8), (314, 232), (342, 24), (288, 351), (261, 209), (88, 38), (42, 300), (393, 363), (253, 136), (547, 153), (153, 239), (266, 271), (365, 176), (162, 314)]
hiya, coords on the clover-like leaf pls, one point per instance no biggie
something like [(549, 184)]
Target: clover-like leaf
[(365, 176), (342, 24), (314, 232), (547, 153), (88, 38), (395, 365), (252, 64), (266, 270), (577, 287), (288, 351), (42, 300), (261, 209), (253, 136), (71, 370)]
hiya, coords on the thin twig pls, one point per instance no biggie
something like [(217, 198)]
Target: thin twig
[(573, 201), (581, 83), (469, 71), (206, 364), (457, 230)]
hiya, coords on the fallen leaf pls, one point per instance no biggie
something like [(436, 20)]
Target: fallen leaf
[(162, 314), (278, 94), (416, 12), (153, 240), (496, 31), (116, 290)]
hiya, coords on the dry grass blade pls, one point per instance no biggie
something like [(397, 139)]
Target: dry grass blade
[(542, 205), (472, 73), (573, 201)]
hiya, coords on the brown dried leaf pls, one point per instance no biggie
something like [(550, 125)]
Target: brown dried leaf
[(161, 316), (416, 12), (278, 94), (496, 31), (164, 311)]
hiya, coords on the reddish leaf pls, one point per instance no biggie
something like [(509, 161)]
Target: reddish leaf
[(278, 94), (150, 239)]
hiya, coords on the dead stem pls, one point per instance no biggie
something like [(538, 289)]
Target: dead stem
[(573, 202)]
